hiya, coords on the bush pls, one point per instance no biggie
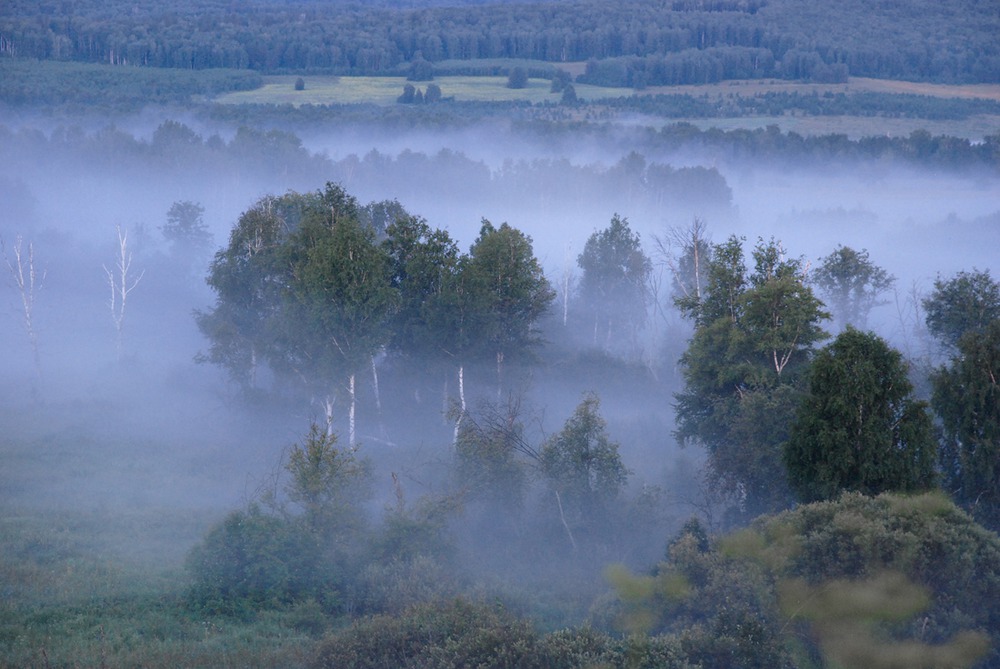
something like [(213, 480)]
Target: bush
[(434, 636), (253, 560)]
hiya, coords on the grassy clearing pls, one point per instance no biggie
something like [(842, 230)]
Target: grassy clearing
[(95, 524), (320, 90)]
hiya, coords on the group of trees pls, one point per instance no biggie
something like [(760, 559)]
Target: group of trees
[(316, 286), (665, 41), (783, 419)]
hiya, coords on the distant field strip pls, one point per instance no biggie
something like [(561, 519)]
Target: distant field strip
[(324, 90)]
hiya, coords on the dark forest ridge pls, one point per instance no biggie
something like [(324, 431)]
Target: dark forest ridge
[(633, 43)]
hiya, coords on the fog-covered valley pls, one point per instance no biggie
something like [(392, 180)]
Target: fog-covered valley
[(66, 190), (168, 446)]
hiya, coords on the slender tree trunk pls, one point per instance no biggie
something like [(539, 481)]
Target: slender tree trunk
[(25, 276), (499, 374), (562, 517), (328, 411), (461, 401), (350, 412), (378, 395)]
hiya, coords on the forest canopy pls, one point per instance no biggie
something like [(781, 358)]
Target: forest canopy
[(630, 43)]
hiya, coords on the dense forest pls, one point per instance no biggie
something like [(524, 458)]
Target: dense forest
[(634, 44), (697, 378)]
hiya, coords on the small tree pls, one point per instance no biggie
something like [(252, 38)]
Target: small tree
[(433, 93), (122, 283), (517, 78), (615, 282), (28, 282), (584, 470), (300, 84), (186, 229), (409, 93), (859, 428), (852, 284)]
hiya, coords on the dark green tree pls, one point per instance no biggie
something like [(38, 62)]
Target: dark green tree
[(502, 292), (517, 78), (852, 284), (615, 283), (422, 262), (859, 427), (754, 336), (967, 302), (967, 400), (240, 327), (340, 298), (433, 93)]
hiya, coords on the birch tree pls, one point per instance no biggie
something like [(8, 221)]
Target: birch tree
[(743, 369), (27, 281), (122, 281)]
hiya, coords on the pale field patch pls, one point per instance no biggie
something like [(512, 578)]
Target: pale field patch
[(325, 90)]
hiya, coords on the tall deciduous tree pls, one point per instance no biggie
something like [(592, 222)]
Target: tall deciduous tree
[(505, 292), (859, 428), (967, 400), (249, 288), (615, 283), (967, 302), (754, 335), (340, 296), (852, 284)]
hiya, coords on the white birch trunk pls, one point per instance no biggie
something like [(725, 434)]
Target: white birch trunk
[(461, 401), (328, 412), (350, 412)]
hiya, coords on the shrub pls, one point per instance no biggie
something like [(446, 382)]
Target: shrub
[(253, 560)]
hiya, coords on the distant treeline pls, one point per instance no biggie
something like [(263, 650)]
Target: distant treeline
[(919, 147), (643, 43)]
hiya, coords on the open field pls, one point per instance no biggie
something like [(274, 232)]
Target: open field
[(385, 90), (751, 87), (323, 90)]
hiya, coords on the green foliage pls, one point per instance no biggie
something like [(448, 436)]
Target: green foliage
[(448, 635), (507, 291), (488, 458), (852, 283), (272, 558), (327, 483), (967, 400), (518, 78), (459, 633), (253, 560), (967, 302), (186, 229), (835, 582), (743, 368), (584, 469), (423, 263), (859, 428), (614, 285)]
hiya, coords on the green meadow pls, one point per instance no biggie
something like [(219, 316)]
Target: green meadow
[(325, 90)]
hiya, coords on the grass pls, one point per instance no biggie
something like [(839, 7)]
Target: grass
[(324, 90), (92, 572)]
